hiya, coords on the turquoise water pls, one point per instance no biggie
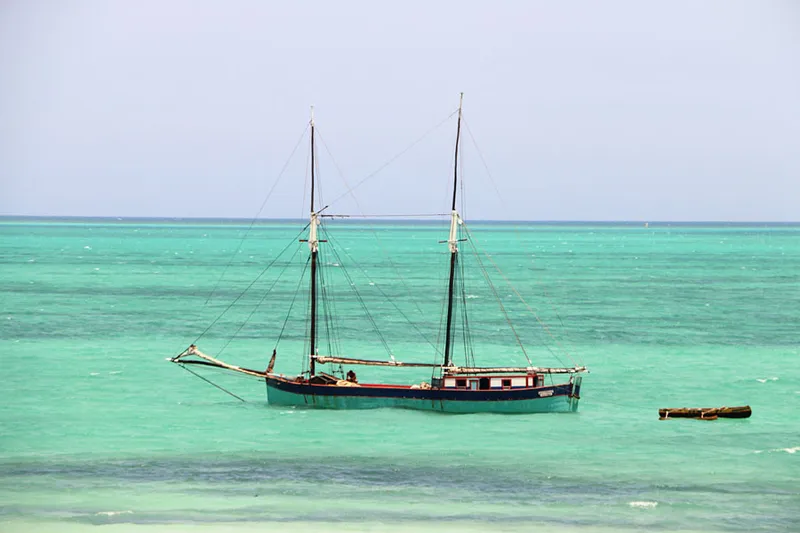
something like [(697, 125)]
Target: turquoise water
[(98, 429)]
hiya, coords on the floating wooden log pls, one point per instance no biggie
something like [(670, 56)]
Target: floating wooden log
[(706, 413)]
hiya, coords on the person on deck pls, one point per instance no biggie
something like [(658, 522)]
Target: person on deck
[(351, 376)]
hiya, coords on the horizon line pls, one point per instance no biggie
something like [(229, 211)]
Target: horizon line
[(387, 218)]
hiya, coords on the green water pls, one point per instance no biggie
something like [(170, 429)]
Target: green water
[(97, 428)]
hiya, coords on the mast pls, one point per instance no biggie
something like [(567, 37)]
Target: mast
[(453, 243), (313, 245)]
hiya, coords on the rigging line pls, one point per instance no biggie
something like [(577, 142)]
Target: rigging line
[(372, 229), (328, 313), (390, 300), (325, 294), (326, 297), (465, 324), (305, 362), (443, 311), (251, 284), (393, 159), (304, 213), (514, 289), (424, 215), (333, 299), (361, 301), (261, 301), (226, 391), (260, 209), (463, 216), (470, 336), (516, 231), (469, 347), (497, 296), (291, 305), (317, 175), (463, 213), (483, 160)]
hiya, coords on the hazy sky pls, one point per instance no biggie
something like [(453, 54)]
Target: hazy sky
[(582, 110)]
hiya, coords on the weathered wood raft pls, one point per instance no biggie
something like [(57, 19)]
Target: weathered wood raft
[(706, 413)]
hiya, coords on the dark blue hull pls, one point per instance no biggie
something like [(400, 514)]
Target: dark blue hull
[(554, 398)]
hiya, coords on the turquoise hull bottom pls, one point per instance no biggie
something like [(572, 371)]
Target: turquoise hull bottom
[(553, 404)]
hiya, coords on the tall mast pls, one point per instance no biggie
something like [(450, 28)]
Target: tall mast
[(313, 245), (453, 243)]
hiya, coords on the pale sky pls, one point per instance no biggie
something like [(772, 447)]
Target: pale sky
[(582, 110)]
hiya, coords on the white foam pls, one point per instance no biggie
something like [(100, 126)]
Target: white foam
[(787, 450), (766, 379), (643, 505), (112, 513), (87, 247)]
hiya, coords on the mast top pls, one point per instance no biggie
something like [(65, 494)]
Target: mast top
[(455, 162), (313, 164)]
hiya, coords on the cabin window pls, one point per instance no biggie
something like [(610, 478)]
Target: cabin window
[(484, 383), (461, 383), (506, 383)]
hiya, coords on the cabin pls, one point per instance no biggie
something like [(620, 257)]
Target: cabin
[(501, 382)]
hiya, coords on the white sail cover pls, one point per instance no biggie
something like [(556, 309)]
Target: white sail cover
[(453, 369)]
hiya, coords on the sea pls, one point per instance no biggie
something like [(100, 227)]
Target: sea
[(99, 430)]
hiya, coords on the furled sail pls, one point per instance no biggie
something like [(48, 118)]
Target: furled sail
[(452, 369), (370, 362)]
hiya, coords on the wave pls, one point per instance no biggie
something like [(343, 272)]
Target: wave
[(643, 505), (787, 450)]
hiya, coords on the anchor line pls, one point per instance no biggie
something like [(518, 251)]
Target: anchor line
[(212, 383)]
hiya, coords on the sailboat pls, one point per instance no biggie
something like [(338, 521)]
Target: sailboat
[(451, 389)]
